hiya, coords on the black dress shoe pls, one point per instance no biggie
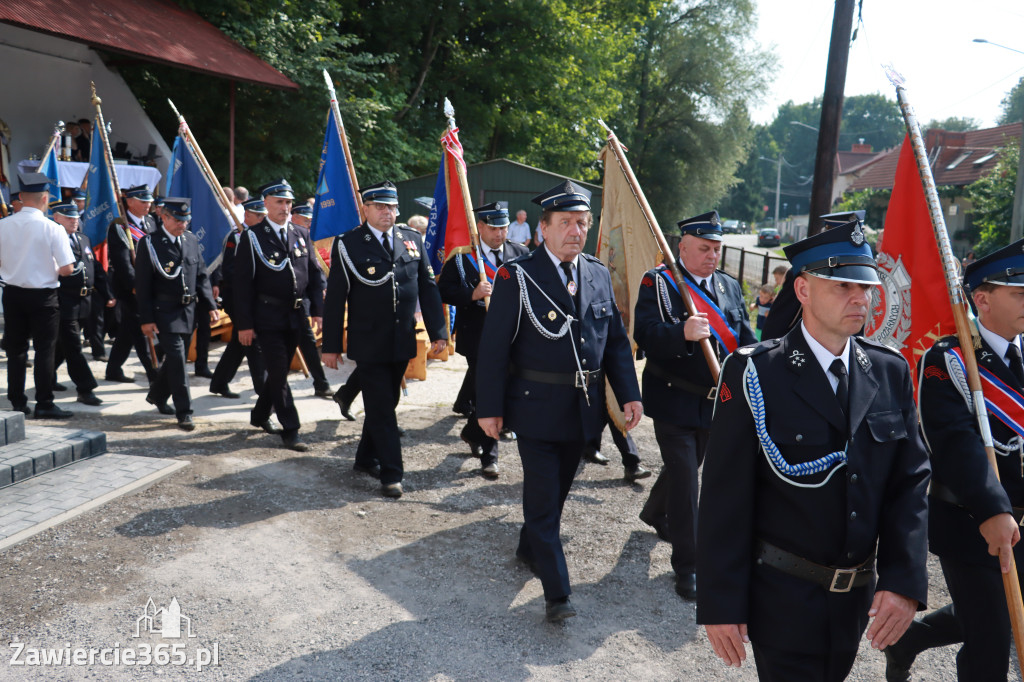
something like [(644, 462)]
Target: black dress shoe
[(636, 473), (267, 426), (323, 392), (59, 387), (21, 408), (185, 423), (475, 448), (557, 610), (369, 470), (99, 357), (490, 471), (293, 442), (507, 434), (203, 372), (89, 398), (119, 378), (52, 412), (898, 660), (162, 408), (596, 457), (391, 490), (224, 392), (686, 586), (344, 406)]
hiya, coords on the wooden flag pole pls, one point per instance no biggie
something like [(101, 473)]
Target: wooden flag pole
[(57, 130), (211, 177), (958, 301), (670, 261), (460, 172), (108, 158), (344, 145)]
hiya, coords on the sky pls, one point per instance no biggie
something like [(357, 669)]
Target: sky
[(929, 41)]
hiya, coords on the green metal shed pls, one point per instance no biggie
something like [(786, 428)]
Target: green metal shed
[(499, 180)]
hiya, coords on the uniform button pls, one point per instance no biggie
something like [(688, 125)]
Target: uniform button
[(849, 555), (584, 362), (853, 515), (669, 384), (892, 434), (799, 437), (603, 309), (526, 393), (582, 340), (853, 478)]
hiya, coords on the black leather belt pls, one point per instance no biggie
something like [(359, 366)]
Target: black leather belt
[(183, 299), (941, 492), (678, 382), (577, 379), (290, 303), (832, 578), (85, 291)]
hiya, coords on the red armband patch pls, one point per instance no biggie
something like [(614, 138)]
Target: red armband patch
[(647, 281), (503, 273), (935, 372), (724, 394)]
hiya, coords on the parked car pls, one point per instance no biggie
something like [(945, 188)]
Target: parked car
[(731, 227), (768, 237)]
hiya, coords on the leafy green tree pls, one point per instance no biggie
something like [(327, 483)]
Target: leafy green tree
[(992, 198), (1013, 104), (954, 124), (874, 203)]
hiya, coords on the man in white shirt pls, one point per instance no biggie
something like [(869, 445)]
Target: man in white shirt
[(519, 231), (34, 253)]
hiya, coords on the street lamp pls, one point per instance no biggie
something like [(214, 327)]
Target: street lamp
[(804, 125), (1017, 219)]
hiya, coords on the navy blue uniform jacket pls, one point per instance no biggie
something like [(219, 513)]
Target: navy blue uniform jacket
[(159, 298), (667, 350), (541, 410), (876, 498)]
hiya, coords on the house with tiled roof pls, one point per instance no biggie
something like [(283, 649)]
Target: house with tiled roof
[(957, 159)]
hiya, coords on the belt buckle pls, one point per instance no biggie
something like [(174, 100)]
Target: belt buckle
[(186, 300), (83, 292), (582, 378), (298, 303), (848, 573), (712, 393)]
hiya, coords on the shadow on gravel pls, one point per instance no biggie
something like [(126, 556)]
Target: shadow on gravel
[(468, 619)]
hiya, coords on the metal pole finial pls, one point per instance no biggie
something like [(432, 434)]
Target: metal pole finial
[(449, 113), (96, 101)]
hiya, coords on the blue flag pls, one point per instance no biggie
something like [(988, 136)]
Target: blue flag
[(335, 211), (100, 203), (49, 168), (210, 223), (433, 241)]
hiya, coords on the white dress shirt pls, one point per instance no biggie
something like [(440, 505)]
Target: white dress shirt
[(998, 343), (32, 249), (380, 236), (561, 273), (825, 358)]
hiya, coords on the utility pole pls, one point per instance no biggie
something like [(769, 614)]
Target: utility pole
[(778, 185), (831, 114)]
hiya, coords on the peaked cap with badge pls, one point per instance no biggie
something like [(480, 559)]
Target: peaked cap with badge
[(706, 226), (565, 196), (1004, 266), (494, 214), (841, 253)]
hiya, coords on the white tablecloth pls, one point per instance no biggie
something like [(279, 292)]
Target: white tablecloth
[(71, 174)]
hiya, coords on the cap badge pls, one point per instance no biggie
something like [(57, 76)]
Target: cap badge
[(796, 358), (714, 221), (857, 236), (568, 188)]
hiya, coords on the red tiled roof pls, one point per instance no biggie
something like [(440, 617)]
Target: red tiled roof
[(944, 148), (848, 160), (151, 30)]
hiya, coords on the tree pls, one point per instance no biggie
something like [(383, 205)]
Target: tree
[(1013, 104), (954, 124), (686, 123), (992, 198)]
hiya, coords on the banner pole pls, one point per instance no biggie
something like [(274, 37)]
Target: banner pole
[(344, 144), (958, 302), (670, 261), (108, 158)]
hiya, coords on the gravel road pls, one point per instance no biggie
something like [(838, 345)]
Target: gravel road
[(292, 567)]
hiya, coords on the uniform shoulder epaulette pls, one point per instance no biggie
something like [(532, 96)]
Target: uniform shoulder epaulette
[(593, 259), (517, 259), (878, 345), (726, 274), (406, 228), (947, 342), (758, 348)]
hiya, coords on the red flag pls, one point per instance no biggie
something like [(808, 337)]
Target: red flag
[(447, 229), (908, 253)]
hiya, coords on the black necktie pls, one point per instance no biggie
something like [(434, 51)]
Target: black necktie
[(843, 389), (704, 287), (497, 258), (570, 283), (284, 236), (1013, 355), (385, 240)]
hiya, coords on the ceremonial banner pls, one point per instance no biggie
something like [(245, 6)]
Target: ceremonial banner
[(49, 168), (101, 207), (908, 253), (626, 243), (335, 211), (447, 229), (210, 222)]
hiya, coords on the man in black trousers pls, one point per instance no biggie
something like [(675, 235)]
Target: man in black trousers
[(275, 269), (464, 286), (34, 253), (301, 219), (379, 270), (170, 280)]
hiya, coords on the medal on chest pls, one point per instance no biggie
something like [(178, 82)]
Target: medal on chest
[(410, 246), (169, 267)]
